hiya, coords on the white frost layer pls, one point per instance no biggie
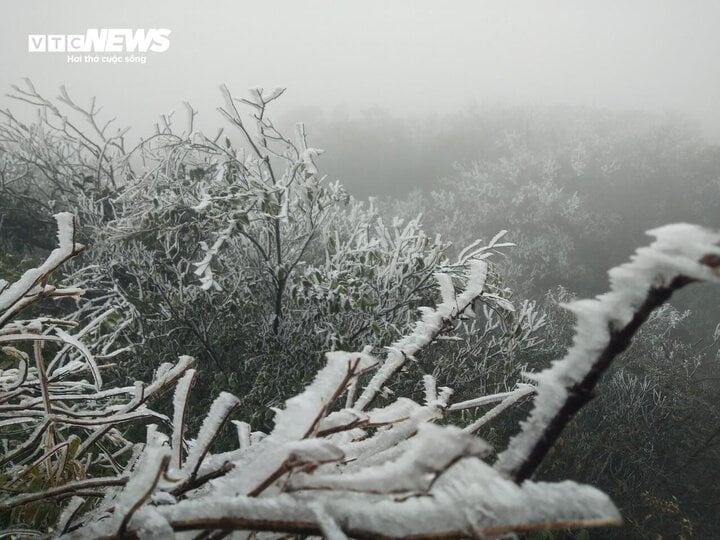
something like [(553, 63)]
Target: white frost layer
[(66, 248), (429, 453), (220, 409), (302, 412), (427, 328), (471, 499), (676, 251), (300, 418), (180, 399)]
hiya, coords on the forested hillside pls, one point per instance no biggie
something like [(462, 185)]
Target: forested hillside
[(206, 333)]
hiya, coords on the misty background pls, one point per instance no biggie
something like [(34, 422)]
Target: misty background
[(406, 59), (405, 79)]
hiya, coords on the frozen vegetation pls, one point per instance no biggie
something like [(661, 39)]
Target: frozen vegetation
[(236, 281)]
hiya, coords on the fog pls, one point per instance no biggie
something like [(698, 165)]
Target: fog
[(409, 57)]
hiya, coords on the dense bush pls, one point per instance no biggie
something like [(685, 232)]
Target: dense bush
[(253, 263), (242, 255), (360, 470)]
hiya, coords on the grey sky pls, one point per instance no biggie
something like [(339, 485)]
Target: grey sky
[(408, 56)]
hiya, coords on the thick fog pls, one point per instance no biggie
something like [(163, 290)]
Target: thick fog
[(410, 57)]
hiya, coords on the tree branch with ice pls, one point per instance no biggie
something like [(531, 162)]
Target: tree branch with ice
[(681, 254), (61, 433), (392, 471), (332, 466)]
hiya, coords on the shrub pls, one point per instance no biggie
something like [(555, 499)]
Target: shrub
[(394, 470)]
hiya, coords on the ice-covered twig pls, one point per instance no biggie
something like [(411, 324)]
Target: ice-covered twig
[(430, 453), (433, 322), (62, 491), (521, 390), (180, 404), (266, 462), (165, 378), (509, 401), (220, 410), (141, 485), (12, 295), (681, 254)]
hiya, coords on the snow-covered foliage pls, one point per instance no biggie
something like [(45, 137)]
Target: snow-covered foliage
[(234, 250), (396, 470), (59, 423), (247, 244), (355, 470)]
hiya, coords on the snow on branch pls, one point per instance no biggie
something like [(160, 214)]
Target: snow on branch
[(62, 428), (471, 502), (16, 296), (220, 410), (331, 467), (392, 471), (432, 323), (681, 254)]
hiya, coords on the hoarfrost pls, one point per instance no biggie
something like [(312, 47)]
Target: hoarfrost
[(679, 250)]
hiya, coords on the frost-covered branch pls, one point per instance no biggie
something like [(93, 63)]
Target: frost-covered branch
[(432, 324), (391, 471), (59, 428), (30, 287), (681, 254)]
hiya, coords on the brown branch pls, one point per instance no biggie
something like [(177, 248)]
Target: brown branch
[(138, 503), (197, 481), (71, 488), (581, 393), (311, 528)]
